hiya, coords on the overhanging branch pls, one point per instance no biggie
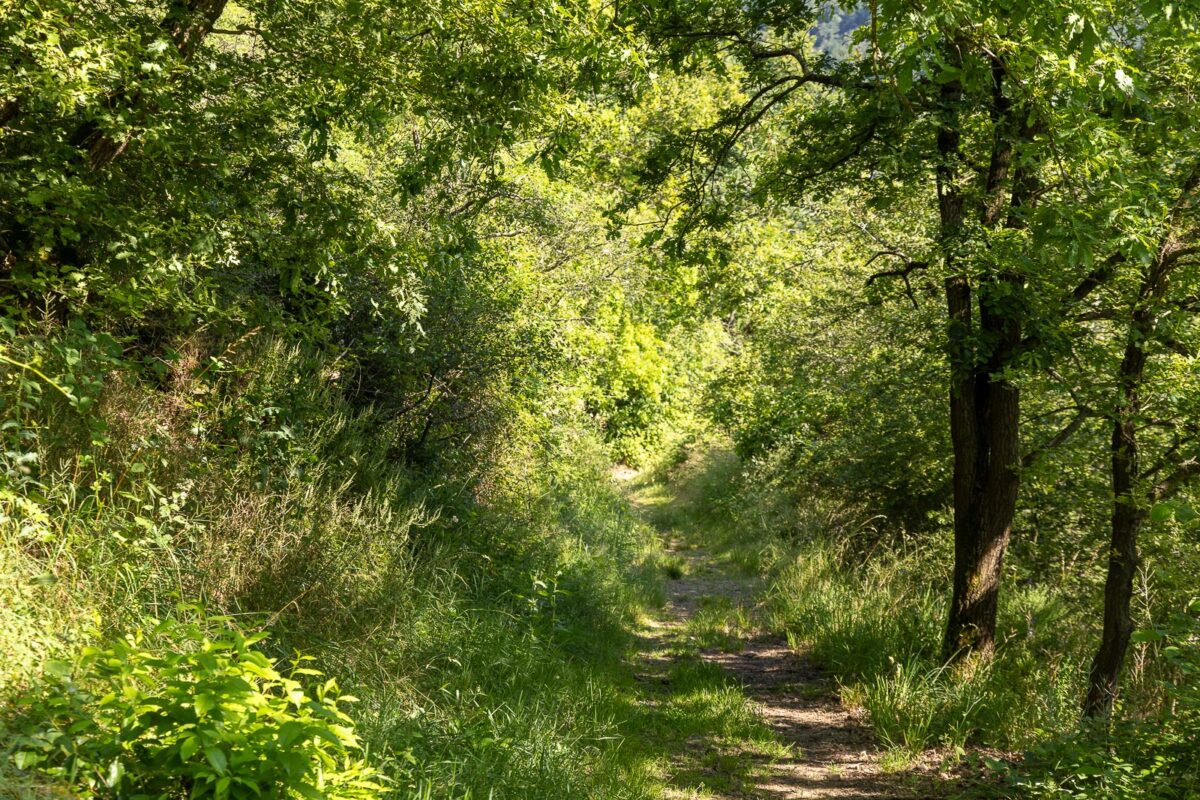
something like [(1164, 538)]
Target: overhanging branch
[(1030, 458)]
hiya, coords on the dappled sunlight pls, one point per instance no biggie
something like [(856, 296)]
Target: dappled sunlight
[(589, 400)]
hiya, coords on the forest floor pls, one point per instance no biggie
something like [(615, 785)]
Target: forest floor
[(741, 713)]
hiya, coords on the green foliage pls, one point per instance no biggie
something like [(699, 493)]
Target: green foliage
[(58, 378), (1152, 757), (633, 389), (824, 391), (337, 313), (189, 709), (170, 165)]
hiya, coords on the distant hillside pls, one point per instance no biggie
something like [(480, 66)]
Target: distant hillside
[(832, 35)]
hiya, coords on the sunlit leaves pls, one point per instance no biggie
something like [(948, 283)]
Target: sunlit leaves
[(191, 701)]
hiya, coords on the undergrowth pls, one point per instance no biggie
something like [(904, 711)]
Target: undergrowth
[(480, 620), (868, 607)]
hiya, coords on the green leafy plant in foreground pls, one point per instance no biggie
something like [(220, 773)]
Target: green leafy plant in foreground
[(190, 709)]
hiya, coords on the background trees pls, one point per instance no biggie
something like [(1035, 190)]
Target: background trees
[(987, 117)]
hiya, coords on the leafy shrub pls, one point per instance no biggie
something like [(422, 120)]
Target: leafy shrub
[(190, 709), (631, 395)]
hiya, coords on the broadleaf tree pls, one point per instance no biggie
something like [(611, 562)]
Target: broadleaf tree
[(991, 111)]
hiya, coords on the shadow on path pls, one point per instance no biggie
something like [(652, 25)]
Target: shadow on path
[(791, 738)]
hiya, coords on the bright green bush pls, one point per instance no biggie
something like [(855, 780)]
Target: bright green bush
[(633, 386), (190, 709)]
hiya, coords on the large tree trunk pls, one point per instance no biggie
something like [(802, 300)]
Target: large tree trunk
[(984, 407), (984, 416)]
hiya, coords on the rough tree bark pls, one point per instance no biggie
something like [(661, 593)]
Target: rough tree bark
[(984, 405)]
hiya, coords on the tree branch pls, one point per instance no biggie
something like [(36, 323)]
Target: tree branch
[(1059, 438), (1097, 277), (770, 51), (903, 272), (1176, 480)]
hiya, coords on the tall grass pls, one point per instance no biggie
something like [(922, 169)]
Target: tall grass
[(871, 610), (478, 608), (877, 626)]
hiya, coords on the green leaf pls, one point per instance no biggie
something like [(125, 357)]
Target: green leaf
[(116, 770), (59, 669), (204, 703), (189, 747), (1124, 82), (217, 758), (1162, 512)]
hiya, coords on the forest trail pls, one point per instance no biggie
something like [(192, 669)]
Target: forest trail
[(801, 743)]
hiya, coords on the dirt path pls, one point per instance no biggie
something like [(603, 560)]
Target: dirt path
[(820, 751)]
